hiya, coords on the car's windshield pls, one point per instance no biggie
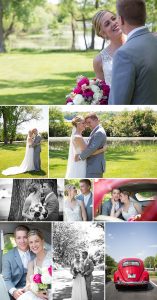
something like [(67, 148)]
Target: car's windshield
[(131, 263)]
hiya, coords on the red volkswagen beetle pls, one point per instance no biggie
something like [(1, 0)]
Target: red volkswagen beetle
[(131, 272)]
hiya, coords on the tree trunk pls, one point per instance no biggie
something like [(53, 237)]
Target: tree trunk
[(84, 30), (73, 26), (5, 132), (93, 31), (2, 46)]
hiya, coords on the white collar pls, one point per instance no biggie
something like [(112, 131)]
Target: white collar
[(135, 30), (95, 129), (21, 253)]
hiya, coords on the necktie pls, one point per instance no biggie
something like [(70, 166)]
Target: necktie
[(25, 260)]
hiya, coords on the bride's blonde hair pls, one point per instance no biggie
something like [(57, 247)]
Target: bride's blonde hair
[(96, 21), (77, 120), (36, 232)]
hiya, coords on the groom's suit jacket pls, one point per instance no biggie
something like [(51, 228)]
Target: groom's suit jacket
[(95, 163), (36, 143), (88, 207), (52, 205), (13, 271), (134, 74), (88, 269)]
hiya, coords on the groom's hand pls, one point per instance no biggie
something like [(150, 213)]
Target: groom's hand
[(18, 293), (77, 158)]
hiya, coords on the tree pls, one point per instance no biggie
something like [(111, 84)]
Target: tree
[(149, 262), (58, 126), (14, 116), (13, 11), (20, 193)]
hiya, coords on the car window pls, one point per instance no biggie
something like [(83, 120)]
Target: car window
[(131, 263)]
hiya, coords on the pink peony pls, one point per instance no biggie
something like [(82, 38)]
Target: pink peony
[(37, 278), (77, 90), (50, 270), (82, 81), (88, 93), (103, 102)]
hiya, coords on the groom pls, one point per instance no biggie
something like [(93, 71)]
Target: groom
[(87, 197), (15, 262), (97, 140), (134, 74), (88, 270), (37, 149)]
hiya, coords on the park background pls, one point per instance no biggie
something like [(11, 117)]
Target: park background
[(46, 44), (15, 122), (131, 139)]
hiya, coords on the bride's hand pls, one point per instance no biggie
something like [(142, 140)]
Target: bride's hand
[(42, 295)]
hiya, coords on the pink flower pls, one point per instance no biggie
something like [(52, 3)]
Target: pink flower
[(88, 93), (103, 102), (37, 278), (82, 81), (69, 100), (77, 90), (50, 270)]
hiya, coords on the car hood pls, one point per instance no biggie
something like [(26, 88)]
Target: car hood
[(131, 273)]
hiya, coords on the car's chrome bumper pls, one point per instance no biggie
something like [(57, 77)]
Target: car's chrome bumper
[(124, 283)]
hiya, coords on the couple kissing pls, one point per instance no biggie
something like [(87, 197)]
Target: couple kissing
[(86, 158)]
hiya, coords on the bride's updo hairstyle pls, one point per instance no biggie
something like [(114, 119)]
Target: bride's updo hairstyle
[(36, 232), (97, 19), (33, 188), (76, 120)]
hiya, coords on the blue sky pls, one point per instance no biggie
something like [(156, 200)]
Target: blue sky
[(131, 239)]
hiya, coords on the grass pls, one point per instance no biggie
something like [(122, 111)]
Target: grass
[(12, 155), (136, 161), (41, 77)]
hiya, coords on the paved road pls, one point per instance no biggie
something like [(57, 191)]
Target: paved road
[(131, 293), (62, 285)]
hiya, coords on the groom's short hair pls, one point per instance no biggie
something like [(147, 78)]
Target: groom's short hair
[(21, 228), (133, 11), (92, 116), (86, 181)]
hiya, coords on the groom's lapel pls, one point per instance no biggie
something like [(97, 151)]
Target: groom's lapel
[(18, 259), (94, 131)]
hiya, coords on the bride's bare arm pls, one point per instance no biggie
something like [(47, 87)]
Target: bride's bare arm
[(83, 211), (29, 274), (97, 65), (80, 142)]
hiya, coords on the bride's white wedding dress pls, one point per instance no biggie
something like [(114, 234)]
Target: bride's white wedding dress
[(79, 291), (26, 165), (75, 169), (46, 263), (107, 61), (72, 213)]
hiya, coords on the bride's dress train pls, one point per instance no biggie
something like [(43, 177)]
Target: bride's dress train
[(75, 169), (26, 165), (79, 291)]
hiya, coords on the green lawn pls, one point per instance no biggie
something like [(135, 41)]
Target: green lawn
[(41, 78), (12, 155), (136, 161)]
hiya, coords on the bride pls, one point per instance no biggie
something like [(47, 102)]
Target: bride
[(79, 291), (74, 210), (106, 26), (42, 260), (33, 198), (77, 145), (28, 161)]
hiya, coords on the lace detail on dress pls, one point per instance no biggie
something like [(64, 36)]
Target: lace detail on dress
[(72, 213), (130, 213), (107, 66)]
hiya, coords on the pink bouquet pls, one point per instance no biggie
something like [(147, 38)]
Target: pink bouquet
[(88, 91), (42, 280)]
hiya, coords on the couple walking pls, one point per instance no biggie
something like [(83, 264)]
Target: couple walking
[(19, 265), (82, 270), (31, 161), (129, 63), (86, 159)]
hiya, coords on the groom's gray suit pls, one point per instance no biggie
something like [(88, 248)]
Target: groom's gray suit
[(37, 149), (88, 207), (134, 74), (95, 163), (14, 273)]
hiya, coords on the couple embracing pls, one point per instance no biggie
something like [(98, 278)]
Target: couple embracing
[(19, 265), (82, 270), (86, 159), (31, 161)]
